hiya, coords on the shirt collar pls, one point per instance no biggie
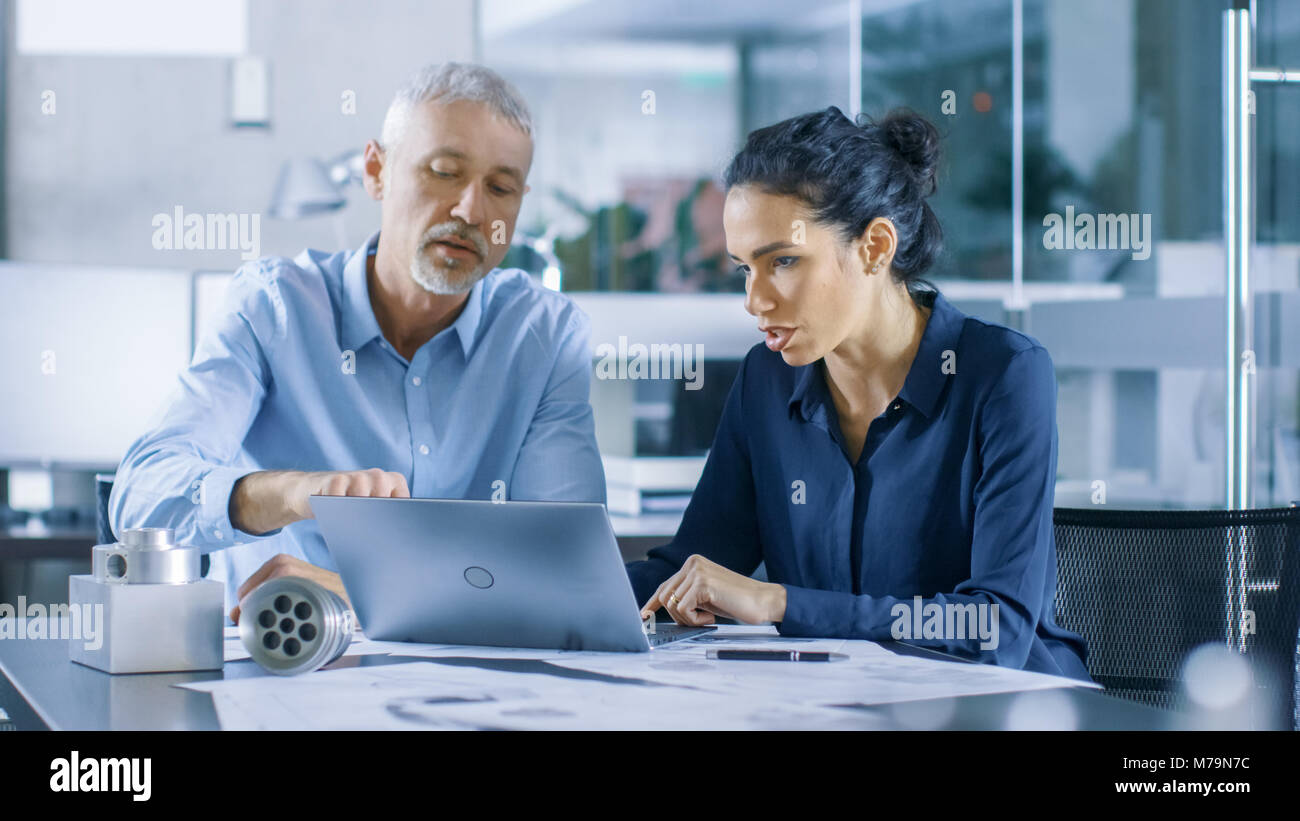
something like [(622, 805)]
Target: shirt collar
[(809, 390), (925, 379), (936, 357), (359, 325)]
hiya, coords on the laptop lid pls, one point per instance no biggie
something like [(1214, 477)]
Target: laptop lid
[(511, 574)]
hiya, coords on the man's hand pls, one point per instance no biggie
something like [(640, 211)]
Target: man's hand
[(703, 589), (286, 565), (270, 499)]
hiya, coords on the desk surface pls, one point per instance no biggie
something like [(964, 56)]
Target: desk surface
[(38, 541), (42, 689)]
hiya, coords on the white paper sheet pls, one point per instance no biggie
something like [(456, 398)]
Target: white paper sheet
[(872, 674), (426, 695), (689, 691)]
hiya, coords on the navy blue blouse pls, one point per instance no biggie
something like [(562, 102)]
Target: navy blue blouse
[(950, 500)]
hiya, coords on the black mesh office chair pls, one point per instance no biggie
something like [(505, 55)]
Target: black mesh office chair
[(1144, 588), (103, 489)]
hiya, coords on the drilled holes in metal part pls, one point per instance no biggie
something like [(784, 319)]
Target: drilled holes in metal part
[(271, 641), (302, 610), (266, 618), (291, 647), (307, 631), (116, 566), (283, 603)]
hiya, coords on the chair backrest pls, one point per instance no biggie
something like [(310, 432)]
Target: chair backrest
[(104, 531), (103, 487), (1146, 587)]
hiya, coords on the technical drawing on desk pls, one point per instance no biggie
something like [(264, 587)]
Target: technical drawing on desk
[(425, 695)]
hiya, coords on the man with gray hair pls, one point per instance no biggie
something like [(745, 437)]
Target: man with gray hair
[(409, 366)]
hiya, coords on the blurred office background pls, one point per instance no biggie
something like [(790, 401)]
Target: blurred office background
[(115, 113)]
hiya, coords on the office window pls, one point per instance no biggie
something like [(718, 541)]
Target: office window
[(135, 27)]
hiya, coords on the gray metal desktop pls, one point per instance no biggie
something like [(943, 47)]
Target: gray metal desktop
[(42, 689)]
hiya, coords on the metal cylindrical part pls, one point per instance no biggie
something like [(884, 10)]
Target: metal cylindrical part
[(146, 556), (156, 538), (292, 625)]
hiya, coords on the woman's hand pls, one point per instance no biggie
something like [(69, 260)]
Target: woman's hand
[(703, 589)]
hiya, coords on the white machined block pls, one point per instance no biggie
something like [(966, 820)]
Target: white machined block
[(149, 628)]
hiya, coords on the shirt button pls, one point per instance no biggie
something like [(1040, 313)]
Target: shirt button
[(416, 381), (216, 534), (424, 450), (898, 405)]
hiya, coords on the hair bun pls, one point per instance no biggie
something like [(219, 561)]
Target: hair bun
[(917, 142), (848, 173)]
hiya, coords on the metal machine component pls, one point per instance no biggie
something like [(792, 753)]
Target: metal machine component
[(153, 610), (146, 556), (292, 625)]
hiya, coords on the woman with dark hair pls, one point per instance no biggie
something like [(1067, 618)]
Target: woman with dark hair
[(891, 459)]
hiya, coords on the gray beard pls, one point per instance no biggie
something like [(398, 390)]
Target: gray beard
[(443, 280)]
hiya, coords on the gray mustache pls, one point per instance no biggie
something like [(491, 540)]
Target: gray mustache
[(479, 243)]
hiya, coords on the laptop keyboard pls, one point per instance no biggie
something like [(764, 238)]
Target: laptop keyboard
[(665, 633)]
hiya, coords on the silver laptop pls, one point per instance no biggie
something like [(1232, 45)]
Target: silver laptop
[(510, 574)]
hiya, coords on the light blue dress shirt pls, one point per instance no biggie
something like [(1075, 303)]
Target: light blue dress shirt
[(296, 375)]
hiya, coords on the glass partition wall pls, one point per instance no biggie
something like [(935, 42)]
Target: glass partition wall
[(1100, 123)]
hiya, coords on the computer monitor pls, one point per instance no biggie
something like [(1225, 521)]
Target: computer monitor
[(90, 354)]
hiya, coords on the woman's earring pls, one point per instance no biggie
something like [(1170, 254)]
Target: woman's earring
[(876, 267)]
